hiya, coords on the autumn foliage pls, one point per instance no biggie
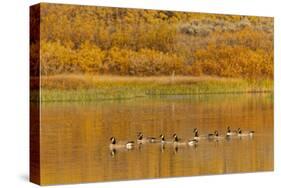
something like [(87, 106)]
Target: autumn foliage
[(131, 42)]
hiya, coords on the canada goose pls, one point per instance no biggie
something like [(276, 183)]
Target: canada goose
[(142, 139), (176, 138), (215, 136), (126, 145), (192, 142), (177, 141), (195, 131), (230, 133), (249, 133), (162, 139), (197, 136), (211, 135)]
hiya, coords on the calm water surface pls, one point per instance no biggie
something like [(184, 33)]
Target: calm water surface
[(75, 137)]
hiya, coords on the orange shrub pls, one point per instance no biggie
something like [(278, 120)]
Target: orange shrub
[(234, 62), (100, 40), (89, 58), (56, 58)]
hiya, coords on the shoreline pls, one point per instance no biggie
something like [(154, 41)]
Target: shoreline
[(72, 99), (95, 88)]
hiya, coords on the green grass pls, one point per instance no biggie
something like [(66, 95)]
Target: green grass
[(89, 88)]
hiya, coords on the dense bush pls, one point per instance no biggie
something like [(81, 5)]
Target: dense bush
[(90, 58), (148, 42), (233, 61), (56, 58)]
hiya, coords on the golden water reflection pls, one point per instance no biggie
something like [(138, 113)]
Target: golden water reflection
[(75, 137)]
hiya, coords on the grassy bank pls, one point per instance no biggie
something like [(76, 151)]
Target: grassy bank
[(89, 88)]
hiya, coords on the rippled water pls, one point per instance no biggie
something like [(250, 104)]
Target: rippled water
[(75, 137)]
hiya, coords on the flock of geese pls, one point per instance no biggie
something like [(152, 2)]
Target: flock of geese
[(176, 141)]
